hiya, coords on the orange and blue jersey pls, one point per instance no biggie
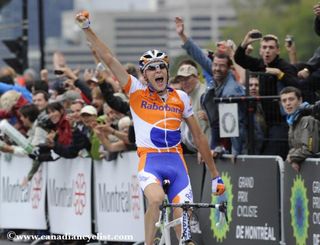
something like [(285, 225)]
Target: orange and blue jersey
[(157, 129), (157, 123)]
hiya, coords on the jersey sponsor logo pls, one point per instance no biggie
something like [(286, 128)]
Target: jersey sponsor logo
[(154, 106), (143, 178), (189, 195), (165, 137)]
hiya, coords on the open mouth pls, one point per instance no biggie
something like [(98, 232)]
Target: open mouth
[(218, 75), (159, 80), (289, 109)]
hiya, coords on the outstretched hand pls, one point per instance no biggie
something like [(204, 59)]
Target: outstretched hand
[(180, 29), (179, 25), (248, 39), (304, 73), (102, 130), (316, 9), (82, 19)]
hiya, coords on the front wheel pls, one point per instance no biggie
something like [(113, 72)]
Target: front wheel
[(156, 241)]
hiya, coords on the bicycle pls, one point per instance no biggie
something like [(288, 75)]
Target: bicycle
[(165, 224)]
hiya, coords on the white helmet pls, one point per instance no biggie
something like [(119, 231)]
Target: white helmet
[(153, 56)]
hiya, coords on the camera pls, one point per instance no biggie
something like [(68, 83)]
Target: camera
[(58, 72), (289, 40), (66, 85), (312, 110), (256, 35), (99, 68), (316, 110), (42, 153), (45, 123)]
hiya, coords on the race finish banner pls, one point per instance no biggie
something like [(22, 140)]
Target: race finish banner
[(69, 196), (21, 206), (252, 192), (119, 206), (302, 204)]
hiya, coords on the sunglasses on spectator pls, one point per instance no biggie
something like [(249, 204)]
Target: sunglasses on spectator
[(155, 66)]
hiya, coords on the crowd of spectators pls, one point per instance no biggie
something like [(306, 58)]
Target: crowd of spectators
[(87, 113)]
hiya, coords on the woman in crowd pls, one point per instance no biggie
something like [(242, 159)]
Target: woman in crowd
[(63, 139)]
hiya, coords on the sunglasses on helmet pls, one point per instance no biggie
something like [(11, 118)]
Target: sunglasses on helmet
[(153, 67)]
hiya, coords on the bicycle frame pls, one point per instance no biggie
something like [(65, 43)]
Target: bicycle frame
[(165, 224)]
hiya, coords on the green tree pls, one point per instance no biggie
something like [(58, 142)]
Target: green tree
[(279, 17)]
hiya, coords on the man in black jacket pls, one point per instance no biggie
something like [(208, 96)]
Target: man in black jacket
[(279, 74)]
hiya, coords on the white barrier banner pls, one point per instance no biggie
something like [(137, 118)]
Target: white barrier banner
[(118, 198), (69, 196), (21, 206)]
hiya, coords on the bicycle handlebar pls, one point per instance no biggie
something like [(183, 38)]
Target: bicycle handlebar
[(190, 205), (222, 207)]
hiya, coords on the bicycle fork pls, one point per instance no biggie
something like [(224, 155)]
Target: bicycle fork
[(164, 224), (185, 229)]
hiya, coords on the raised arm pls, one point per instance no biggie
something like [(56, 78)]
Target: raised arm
[(192, 48), (102, 49), (180, 29), (244, 60)]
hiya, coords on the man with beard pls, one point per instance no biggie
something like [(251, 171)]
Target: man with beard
[(223, 84)]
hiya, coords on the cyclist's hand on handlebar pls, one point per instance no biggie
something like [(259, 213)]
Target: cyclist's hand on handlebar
[(218, 186)]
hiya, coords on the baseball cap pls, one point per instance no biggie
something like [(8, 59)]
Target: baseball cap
[(89, 109), (187, 70)]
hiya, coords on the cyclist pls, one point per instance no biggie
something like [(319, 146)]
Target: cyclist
[(157, 112)]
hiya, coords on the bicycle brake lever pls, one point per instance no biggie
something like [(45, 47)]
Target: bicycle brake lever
[(225, 207), (223, 214), (161, 207)]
